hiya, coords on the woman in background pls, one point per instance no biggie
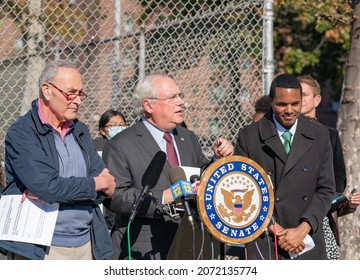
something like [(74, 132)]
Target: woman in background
[(111, 123)]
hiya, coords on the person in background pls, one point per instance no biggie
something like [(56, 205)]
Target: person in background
[(310, 101), (262, 105), (296, 153), (111, 123), (128, 155), (49, 156)]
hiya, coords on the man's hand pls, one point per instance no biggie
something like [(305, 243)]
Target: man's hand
[(105, 182), (292, 239), (167, 196), (223, 148), (29, 195)]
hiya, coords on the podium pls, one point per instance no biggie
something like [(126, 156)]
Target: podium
[(182, 247)]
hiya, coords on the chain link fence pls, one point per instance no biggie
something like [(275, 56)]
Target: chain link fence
[(213, 49)]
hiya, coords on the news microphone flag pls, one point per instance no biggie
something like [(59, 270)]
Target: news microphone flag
[(181, 188), (195, 186)]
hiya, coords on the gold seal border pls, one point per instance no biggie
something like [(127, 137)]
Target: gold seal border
[(201, 204)]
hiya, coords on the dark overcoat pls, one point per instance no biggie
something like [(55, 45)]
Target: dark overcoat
[(303, 181)]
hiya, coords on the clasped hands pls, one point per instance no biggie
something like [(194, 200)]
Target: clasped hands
[(291, 239)]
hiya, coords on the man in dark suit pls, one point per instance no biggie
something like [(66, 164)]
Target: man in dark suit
[(128, 155), (303, 178), (310, 101)]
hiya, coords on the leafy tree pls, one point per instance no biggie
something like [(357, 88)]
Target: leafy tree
[(313, 37)]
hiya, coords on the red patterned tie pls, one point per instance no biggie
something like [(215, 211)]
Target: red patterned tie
[(170, 150)]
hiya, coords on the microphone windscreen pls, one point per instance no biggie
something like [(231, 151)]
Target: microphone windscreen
[(177, 174), (154, 169), (194, 178)]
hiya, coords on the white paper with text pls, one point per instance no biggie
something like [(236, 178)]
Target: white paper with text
[(31, 221)]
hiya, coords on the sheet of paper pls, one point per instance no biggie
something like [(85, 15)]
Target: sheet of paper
[(190, 171), (309, 244), (31, 221)]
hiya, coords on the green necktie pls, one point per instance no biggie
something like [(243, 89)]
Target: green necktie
[(287, 141)]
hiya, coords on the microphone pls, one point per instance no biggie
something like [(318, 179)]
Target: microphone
[(354, 190), (182, 188), (195, 182), (149, 180), (194, 178)]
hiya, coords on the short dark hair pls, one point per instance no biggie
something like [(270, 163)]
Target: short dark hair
[(105, 117), (262, 105), (284, 81)]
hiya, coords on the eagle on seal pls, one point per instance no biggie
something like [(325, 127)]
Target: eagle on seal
[(237, 204)]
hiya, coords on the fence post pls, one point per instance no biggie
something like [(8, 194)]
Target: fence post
[(268, 45)]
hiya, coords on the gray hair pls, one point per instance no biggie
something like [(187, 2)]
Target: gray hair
[(146, 89), (51, 69)]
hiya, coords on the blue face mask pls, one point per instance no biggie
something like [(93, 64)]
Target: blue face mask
[(114, 130)]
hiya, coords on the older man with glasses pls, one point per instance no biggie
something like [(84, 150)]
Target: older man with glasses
[(128, 155), (50, 157)]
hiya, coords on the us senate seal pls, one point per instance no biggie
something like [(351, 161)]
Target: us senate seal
[(235, 199)]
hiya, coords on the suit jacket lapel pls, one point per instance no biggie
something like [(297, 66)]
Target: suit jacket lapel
[(148, 142), (270, 136), (303, 139), (185, 157)]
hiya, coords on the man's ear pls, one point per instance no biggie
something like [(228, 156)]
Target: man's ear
[(317, 100), (148, 106), (45, 90)]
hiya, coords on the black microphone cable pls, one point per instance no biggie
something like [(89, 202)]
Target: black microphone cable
[(275, 238), (266, 232), (212, 247), (193, 180), (202, 231), (267, 235), (193, 242)]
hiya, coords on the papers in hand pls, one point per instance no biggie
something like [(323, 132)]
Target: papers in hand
[(31, 221), (309, 244)]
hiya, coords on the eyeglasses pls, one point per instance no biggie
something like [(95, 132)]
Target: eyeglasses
[(171, 99), (70, 96)]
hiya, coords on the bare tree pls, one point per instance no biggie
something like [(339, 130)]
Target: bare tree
[(349, 129)]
